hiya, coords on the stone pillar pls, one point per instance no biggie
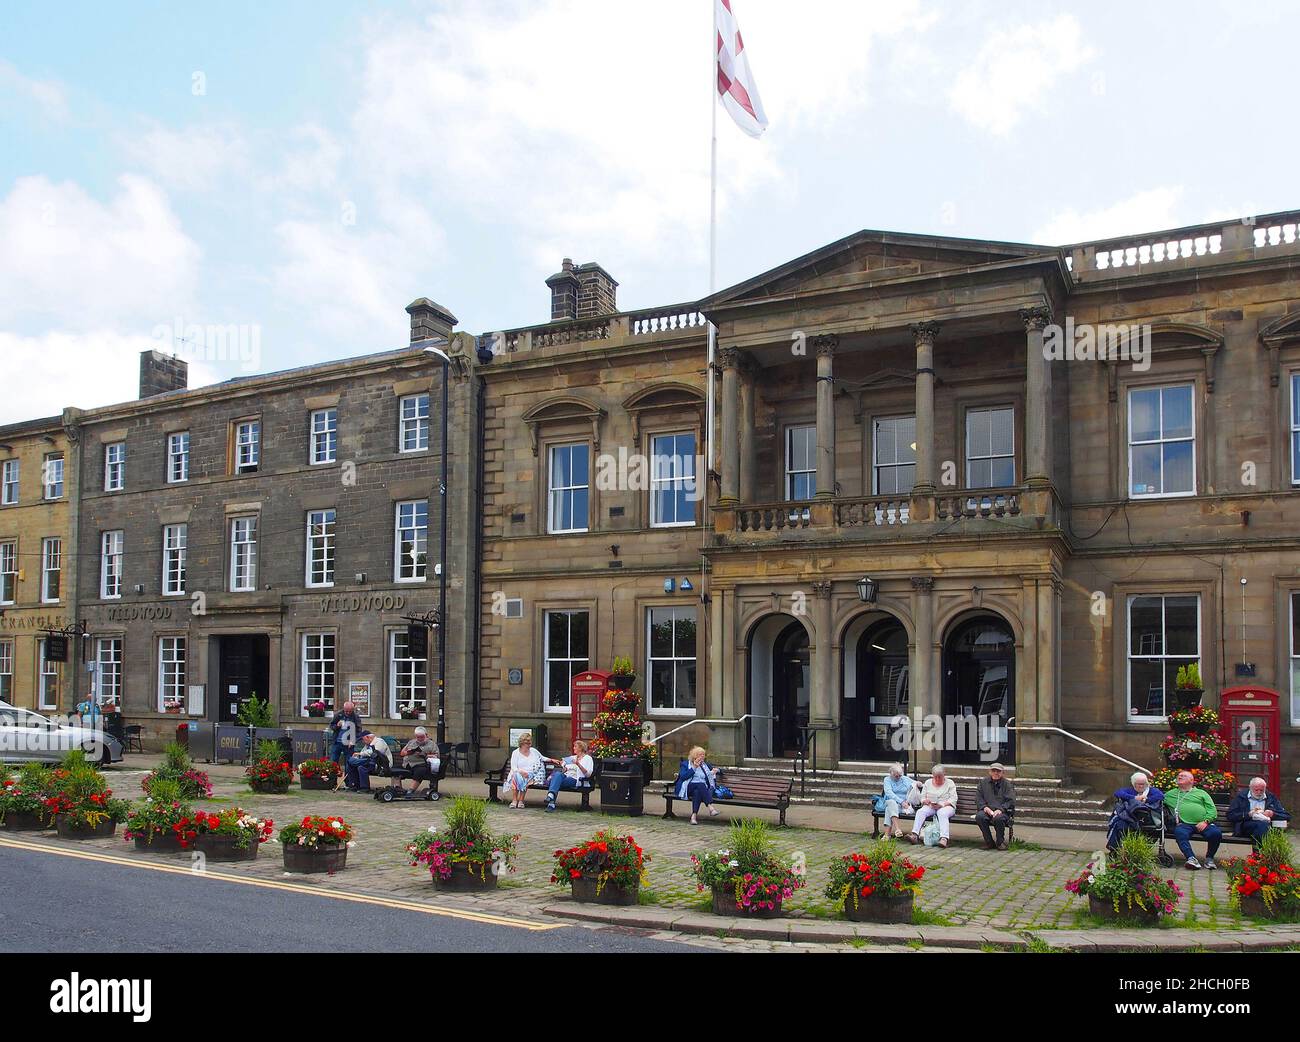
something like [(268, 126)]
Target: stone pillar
[(748, 443), (1038, 400), (1040, 754), (825, 347), (923, 489), (924, 683), (729, 359), (719, 703), (822, 707)]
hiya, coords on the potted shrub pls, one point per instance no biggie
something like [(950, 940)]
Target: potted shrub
[(622, 675), (607, 869), (22, 799), (79, 801), (255, 712), (746, 877), (178, 767), (620, 734), (1126, 886), (317, 708), (879, 886), (152, 825), (316, 844), (464, 855), (318, 774), (1198, 718), (1187, 686), (269, 772), (229, 835), (1267, 886)]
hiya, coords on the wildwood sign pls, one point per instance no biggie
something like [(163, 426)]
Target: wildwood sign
[(362, 602)]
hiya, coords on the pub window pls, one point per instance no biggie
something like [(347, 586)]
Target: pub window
[(171, 674), (1161, 442), (110, 565), (51, 569), (8, 571), (318, 657), (9, 482), (411, 541), (7, 671), (243, 554), (408, 677), (49, 679), (990, 448), (673, 482), (893, 447), (52, 476), (324, 436), (247, 456), (115, 466), (320, 547), (671, 660), (568, 483), (413, 424), (175, 550), (178, 457), (800, 463), (1164, 633), (566, 640), (108, 671)]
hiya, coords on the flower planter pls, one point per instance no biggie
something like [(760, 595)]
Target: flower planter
[(463, 878), (160, 843), (317, 784), (1104, 909), (584, 892), (622, 681), (269, 788), (724, 903), (301, 858), (18, 821), (1187, 697), (224, 848), (67, 830), (873, 909), (316, 714)]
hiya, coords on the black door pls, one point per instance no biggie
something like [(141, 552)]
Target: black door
[(791, 688), (979, 692), (880, 694), (244, 670)]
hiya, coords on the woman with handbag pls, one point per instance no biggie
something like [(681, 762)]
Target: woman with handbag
[(938, 799), (697, 781), (527, 767), (898, 797)]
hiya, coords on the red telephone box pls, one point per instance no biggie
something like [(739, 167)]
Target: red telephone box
[(1250, 722), (585, 693)]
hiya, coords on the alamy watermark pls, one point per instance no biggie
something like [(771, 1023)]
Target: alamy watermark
[(1085, 342)]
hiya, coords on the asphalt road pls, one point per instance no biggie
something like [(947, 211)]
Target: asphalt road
[(61, 904)]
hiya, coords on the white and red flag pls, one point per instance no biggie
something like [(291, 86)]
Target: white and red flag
[(736, 84)]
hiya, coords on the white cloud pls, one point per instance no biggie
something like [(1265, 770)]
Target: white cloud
[(1151, 210), (193, 159), (49, 97), (64, 253), (1015, 70)]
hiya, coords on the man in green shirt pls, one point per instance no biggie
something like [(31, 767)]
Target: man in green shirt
[(1196, 813)]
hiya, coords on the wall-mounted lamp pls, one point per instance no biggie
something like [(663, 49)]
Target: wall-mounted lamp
[(867, 590)]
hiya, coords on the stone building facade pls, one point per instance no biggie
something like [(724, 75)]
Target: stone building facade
[(268, 535), (37, 561), (1047, 536)]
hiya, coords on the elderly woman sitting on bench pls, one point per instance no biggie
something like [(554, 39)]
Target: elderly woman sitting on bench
[(527, 767), (938, 799)]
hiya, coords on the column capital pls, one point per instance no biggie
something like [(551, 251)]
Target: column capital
[(925, 332), (922, 583), (822, 589), (825, 344), (1035, 317), (729, 357)]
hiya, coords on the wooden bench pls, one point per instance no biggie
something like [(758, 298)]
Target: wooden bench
[(761, 793), (965, 815), (495, 779)]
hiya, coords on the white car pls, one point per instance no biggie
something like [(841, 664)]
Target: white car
[(26, 736)]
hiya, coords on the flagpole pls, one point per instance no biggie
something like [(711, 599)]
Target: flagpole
[(713, 230)]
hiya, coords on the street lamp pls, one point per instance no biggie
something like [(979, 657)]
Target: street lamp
[(867, 589), (442, 556)]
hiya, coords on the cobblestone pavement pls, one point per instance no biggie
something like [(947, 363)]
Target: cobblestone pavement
[(1018, 890)]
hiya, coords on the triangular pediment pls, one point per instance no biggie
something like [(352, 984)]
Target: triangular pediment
[(871, 256)]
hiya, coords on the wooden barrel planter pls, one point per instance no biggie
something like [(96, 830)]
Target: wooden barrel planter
[(1104, 909), (160, 843), (896, 909), (584, 891), (269, 788), (317, 784), (463, 878), (17, 821), (224, 848), (331, 858), (724, 903), (67, 830)]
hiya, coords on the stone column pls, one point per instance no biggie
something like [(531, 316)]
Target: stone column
[(822, 705), (924, 334), (729, 359), (923, 682), (825, 347), (1038, 399), (748, 443), (1040, 754)]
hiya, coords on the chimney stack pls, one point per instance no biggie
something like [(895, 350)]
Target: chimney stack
[(430, 320), (160, 374), (582, 291)]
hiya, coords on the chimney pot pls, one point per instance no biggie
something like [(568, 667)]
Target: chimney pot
[(430, 320)]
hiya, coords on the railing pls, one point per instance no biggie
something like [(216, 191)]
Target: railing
[(1083, 741), (874, 511), (772, 517), (808, 743), (659, 741), (990, 503), (664, 320)]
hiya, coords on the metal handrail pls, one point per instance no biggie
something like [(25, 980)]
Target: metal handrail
[(1082, 741), (659, 740), (810, 738)]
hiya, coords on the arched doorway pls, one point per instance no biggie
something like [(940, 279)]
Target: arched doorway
[(874, 692), (780, 685), (979, 691)]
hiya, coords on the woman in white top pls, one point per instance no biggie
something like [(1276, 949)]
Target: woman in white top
[(938, 799), (527, 766)]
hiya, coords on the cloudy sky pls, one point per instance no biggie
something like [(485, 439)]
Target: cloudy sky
[(300, 171)]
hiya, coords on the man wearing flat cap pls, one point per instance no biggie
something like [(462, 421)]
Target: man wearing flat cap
[(995, 799)]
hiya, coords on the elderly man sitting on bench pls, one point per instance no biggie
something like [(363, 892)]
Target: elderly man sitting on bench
[(420, 757)]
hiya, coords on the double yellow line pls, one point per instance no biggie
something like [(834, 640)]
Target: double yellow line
[(268, 884)]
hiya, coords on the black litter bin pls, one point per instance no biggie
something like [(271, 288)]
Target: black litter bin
[(622, 787)]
